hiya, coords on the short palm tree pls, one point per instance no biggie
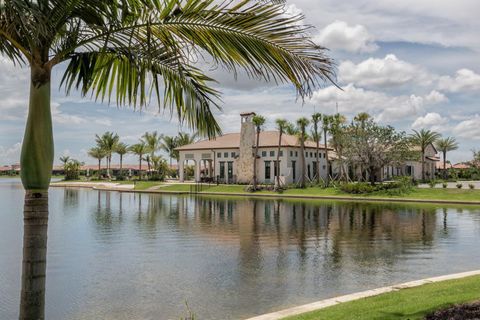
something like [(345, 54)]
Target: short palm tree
[(446, 145), (113, 49), (64, 160), (108, 143), (185, 138), (169, 143), (139, 149), (258, 122), (281, 127), (121, 149), (317, 135), (99, 154), (423, 139), (302, 124)]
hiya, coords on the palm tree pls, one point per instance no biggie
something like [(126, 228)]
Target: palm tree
[(108, 143), (139, 149), (64, 159), (169, 143), (446, 145), (184, 138), (113, 48), (153, 141), (317, 135), (281, 127), (99, 154), (302, 124), (326, 121), (121, 149), (258, 122), (423, 139)]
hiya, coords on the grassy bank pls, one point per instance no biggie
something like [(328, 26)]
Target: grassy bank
[(416, 194), (412, 303)]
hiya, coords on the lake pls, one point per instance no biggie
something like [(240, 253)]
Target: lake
[(118, 255)]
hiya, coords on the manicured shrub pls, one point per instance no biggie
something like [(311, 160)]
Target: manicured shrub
[(444, 185), (432, 183), (459, 185), (471, 186)]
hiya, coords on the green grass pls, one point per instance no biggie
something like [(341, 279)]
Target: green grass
[(412, 303), (144, 185)]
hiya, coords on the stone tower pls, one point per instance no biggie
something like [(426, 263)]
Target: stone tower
[(247, 142)]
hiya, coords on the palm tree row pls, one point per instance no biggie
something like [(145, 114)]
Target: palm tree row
[(146, 149)]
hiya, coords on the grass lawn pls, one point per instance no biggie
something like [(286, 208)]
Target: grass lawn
[(412, 303)]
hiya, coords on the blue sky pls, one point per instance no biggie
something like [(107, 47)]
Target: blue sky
[(411, 64)]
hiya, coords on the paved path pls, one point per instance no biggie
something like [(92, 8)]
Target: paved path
[(359, 295), (453, 185), (95, 185)]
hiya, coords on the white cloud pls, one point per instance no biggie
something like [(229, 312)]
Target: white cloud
[(339, 35), (385, 108), (432, 120), (387, 72), (468, 129), (464, 80), (10, 155)]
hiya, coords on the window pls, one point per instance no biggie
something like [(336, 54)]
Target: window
[(230, 170), (222, 170), (225, 154), (281, 153), (219, 155), (315, 168), (267, 170), (308, 172), (294, 171), (264, 153), (276, 168), (291, 153), (233, 154), (296, 153), (272, 153), (311, 155), (306, 154)]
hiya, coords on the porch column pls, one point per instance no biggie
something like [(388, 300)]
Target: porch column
[(198, 168), (210, 169), (181, 173)]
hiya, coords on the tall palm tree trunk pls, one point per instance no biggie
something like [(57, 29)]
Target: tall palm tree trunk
[(318, 161), (121, 165), (423, 164), (302, 160), (140, 168), (99, 168), (32, 300), (327, 181), (278, 158), (445, 165), (255, 179)]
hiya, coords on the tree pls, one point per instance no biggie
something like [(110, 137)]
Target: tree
[(317, 135), (281, 127), (258, 122), (184, 139), (108, 143), (374, 147), (446, 145), (139, 149), (121, 149), (64, 160), (99, 154), (112, 49), (326, 120), (423, 139), (338, 135), (169, 143), (72, 169), (302, 124)]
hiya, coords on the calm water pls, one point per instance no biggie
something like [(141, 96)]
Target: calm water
[(128, 256)]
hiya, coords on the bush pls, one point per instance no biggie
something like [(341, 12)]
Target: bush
[(471, 186), (459, 185), (432, 183), (399, 186), (444, 185)]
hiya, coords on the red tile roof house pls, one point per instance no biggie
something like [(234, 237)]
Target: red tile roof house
[(229, 158)]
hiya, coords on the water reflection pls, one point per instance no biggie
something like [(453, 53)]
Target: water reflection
[(137, 256)]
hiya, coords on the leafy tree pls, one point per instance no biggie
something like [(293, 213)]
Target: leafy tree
[(113, 49), (72, 169), (184, 139), (258, 122), (338, 135), (108, 143), (446, 145), (302, 124), (121, 149), (281, 127), (423, 139), (317, 135), (373, 146), (97, 153), (160, 167), (139, 149), (326, 121)]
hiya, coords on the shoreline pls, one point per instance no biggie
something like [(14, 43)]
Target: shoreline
[(112, 186), (322, 304)]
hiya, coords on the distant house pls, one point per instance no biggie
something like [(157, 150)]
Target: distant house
[(229, 158)]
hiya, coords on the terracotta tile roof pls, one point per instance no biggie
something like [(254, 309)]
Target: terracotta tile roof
[(232, 141), (462, 166), (439, 165)]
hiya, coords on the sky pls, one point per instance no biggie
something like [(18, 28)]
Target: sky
[(411, 64)]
